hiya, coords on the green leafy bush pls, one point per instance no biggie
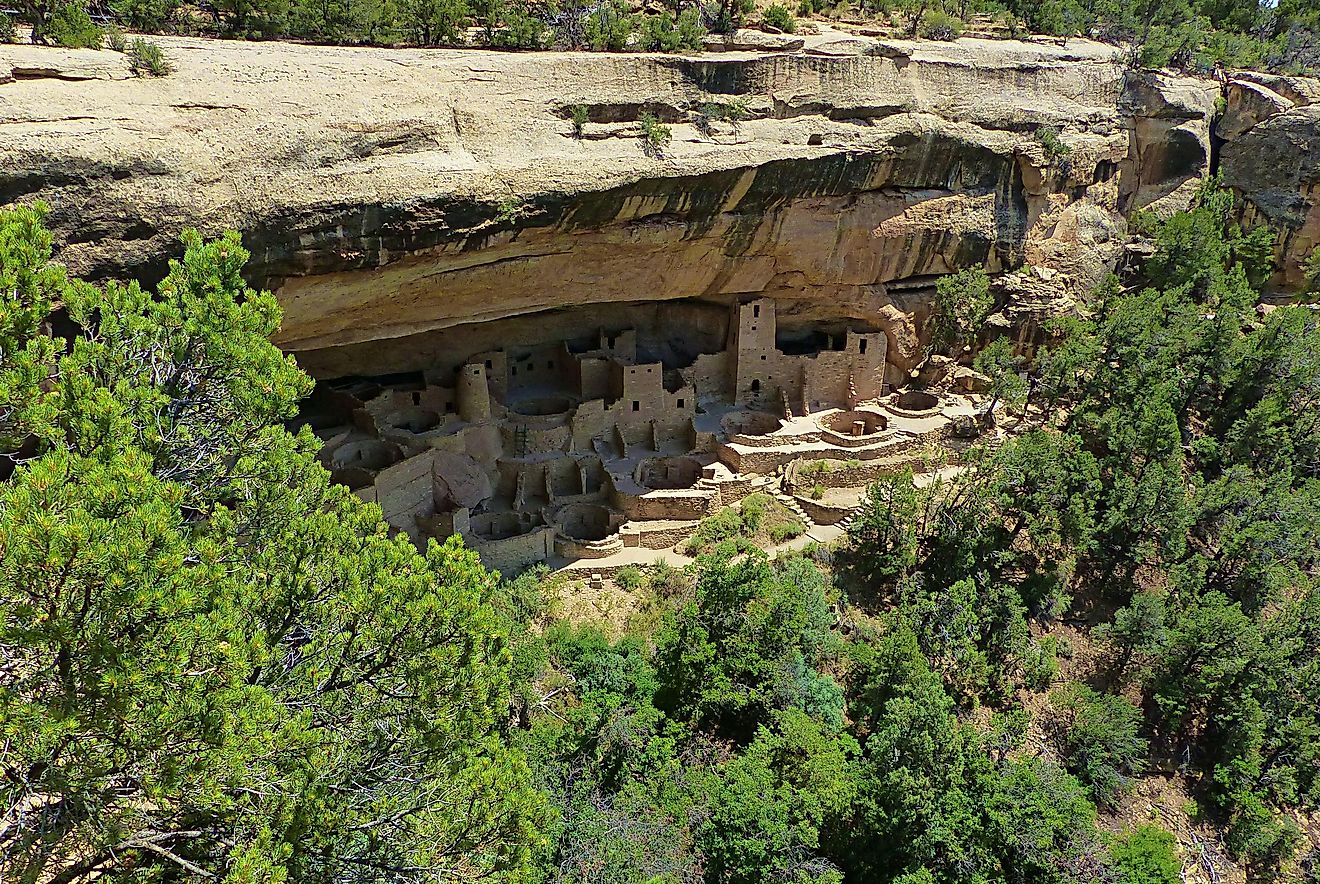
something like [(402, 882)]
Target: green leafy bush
[(630, 578), (962, 303), (580, 117), (1100, 738), (8, 33), (523, 28), (72, 27), (777, 16), (115, 39), (753, 510), (937, 25), (1311, 269), (728, 15), (662, 32), (1048, 138), (655, 134), (144, 15), (146, 59), (1040, 664), (783, 531), (1147, 855)]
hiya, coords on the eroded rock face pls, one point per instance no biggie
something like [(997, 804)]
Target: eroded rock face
[(420, 196), (1271, 155)]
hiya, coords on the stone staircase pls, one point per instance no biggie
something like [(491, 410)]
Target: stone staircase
[(794, 507), (846, 522)]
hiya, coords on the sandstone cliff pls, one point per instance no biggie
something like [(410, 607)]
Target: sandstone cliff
[(391, 194)]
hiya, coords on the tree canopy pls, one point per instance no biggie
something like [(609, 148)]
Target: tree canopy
[(216, 663)]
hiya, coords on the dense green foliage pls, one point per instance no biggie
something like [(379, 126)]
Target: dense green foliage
[(217, 663), (773, 728), (214, 660)]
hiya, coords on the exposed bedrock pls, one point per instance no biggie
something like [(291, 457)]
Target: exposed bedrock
[(410, 196), (1271, 155)]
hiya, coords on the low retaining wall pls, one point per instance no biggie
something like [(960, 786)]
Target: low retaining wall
[(676, 505), (658, 538), (822, 513), (571, 548), (510, 555)]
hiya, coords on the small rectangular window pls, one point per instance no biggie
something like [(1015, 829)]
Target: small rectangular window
[(756, 309), (763, 357), (637, 406), (863, 345), (513, 370), (680, 403), (489, 364)]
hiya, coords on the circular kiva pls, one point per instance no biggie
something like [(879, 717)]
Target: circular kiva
[(854, 423)]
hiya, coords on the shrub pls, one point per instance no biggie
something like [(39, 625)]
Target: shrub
[(580, 117), (610, 27), (72, 27), (724, 525), (754, 507), (1312, 271), (664, 33), (146, 59), (1100, 739), (522, 29), (777, 16), (1257, 833), (734, 112), (655, 135), (1147, 855), (668, 581), (1040, 664), (1048, 138), (728, 15), (1144, 223), (936, 25), (8, 34), (817, 491), (962, 304), (115, 40), (629, 578), (144, 15), (786, 530)]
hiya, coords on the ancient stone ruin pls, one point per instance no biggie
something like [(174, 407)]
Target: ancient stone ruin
[(580, 448)]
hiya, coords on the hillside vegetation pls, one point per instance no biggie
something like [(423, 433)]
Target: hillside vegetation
[(214, 664)]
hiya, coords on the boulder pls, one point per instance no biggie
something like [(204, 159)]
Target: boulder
[(1248, 105)]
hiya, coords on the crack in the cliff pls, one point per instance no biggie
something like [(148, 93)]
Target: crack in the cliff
[(1216, 141)]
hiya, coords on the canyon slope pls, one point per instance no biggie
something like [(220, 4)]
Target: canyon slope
[(410, 207)]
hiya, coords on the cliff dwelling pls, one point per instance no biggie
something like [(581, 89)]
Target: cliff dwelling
[(584, 446)]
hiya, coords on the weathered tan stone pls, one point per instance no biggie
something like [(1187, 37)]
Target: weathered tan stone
[(748, 40), (1275, 165), (401, 193), (1247, 105)]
